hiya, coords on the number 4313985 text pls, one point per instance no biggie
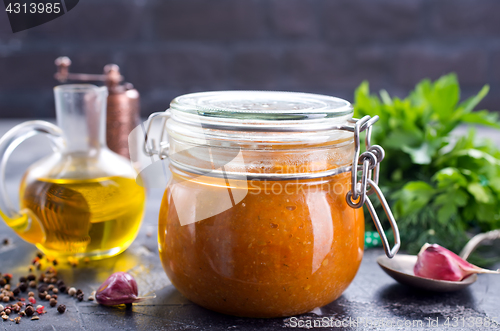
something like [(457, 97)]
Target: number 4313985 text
[(33, 8)]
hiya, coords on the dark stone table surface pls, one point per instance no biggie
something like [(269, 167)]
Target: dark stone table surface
[(373, 297)]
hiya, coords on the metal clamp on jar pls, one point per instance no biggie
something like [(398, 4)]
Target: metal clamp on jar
[(262, 216)]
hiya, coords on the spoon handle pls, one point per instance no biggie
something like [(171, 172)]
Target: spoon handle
[(476, 240)]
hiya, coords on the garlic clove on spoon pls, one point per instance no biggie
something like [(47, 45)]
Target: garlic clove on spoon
[(437, 262)]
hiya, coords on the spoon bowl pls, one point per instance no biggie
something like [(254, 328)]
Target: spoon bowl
[(400, 267)]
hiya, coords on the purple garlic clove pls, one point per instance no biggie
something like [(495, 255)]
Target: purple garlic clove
[(437, 262), (119, 288)]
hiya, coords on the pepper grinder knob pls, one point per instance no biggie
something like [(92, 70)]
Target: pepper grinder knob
[(63, 63)]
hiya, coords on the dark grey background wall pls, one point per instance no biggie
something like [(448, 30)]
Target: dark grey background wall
[(170, 47)]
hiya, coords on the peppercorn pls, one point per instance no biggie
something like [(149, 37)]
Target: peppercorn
[(31, 277), (61, 308), (7, 311), (59, 282), (7, 278), (29, 311), (42, 288), (16, 291), (22, 279), (50, 287), (72, 291), (2, 282), (55, 290), (42, 295), (6, 298), (31, 294), (80, 297), (32, 284), (5, 317), (15, 308), (47, 297), (53, 280), (22, 313), (78, 292), (7, 287), (23, 287), (53, 302), (46, 279), (54, 296), (63, 288)]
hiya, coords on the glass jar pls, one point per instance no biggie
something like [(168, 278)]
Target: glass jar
[(260, 217)]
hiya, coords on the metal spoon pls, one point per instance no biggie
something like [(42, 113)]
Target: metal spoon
[(400, 267)]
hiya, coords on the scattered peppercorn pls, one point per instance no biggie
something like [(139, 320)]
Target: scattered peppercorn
[(47, 297), (50, 287), (72, 291), (31, 294), (32, 284), (42, 288), (55, 290), (80, 297), (22, 279), (16, 291), (2, 282), (42, 295), (31, 277), (6, 298), (23, 286), (63, 288), (7, 311), (29, 311), (61, 308), (78, 292), (54, 296), (46, 279), (5, 317), (53, 302), (7, 287)]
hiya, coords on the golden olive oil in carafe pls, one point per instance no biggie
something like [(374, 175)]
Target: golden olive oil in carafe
[(85, 217)]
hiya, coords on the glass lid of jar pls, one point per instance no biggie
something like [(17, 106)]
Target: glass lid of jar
[(262, 106)]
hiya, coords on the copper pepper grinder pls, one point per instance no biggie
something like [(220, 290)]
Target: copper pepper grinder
[(123, 102)]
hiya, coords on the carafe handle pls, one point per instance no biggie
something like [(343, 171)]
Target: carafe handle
[(23, 222)]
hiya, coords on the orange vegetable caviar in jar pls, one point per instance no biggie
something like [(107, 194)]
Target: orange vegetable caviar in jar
[(254, 221)]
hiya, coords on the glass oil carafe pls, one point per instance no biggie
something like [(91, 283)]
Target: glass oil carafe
[(82, 200)]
